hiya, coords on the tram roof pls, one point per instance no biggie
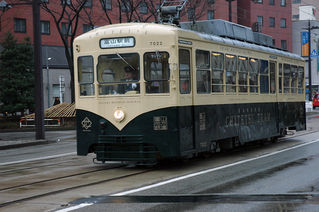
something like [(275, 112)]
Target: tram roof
[(165, 28)]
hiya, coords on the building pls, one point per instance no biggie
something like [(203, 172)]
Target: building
[(305, 10), (273, 17)]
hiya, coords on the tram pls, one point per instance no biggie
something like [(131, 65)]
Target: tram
[(147, 92)]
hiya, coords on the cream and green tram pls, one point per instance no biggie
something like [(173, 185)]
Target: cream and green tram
[(187, 93)]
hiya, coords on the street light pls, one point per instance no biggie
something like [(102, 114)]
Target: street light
[(48, 79)]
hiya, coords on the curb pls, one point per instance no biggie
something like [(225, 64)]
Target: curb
[(25, 144)]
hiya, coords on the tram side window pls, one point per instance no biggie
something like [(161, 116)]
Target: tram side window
[(217, 72), (253, 75), (287, 74), (294, 79), (184, 71), (86, 75), (231, 69), (243, 74), (118, 74), (156, 72), (264, 76), (280, 78), (202, 72), (300, 80)]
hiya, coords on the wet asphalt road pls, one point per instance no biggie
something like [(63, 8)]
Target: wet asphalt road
[(287, 181)]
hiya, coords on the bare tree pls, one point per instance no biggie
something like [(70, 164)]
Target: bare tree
[(66, 17), (195, 9)]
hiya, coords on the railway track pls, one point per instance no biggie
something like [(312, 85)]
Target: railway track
[(10, 195), (31, 191)]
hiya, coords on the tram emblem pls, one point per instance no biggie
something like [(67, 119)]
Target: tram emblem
[(86, 123)]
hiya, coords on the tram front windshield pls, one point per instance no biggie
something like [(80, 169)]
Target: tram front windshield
[(118, 74)]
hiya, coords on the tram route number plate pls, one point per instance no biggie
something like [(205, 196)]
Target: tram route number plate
[(160, 122)]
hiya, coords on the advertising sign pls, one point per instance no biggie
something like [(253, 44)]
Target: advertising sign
[(304, 44)]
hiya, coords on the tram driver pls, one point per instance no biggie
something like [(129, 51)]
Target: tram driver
[(130, 75)]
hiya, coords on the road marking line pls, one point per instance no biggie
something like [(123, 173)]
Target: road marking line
[(34, 159), (208, 171), (82, 205), (190, 175)]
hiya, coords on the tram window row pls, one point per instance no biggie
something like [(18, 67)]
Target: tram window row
[(216, 73), (231, 74)]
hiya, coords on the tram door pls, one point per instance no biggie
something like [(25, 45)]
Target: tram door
[(186, 109), (274, 90)]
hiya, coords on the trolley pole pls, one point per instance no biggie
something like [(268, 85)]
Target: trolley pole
[(39, 111)]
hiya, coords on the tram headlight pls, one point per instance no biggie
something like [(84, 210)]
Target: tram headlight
[(119, 115)]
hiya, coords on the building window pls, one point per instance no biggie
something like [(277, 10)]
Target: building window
[(283, 23), (296, 1), (283, 3), (295, 17), (87, 27), (273, 42), (260, 20), (284, 44), (68, 2), (210, 14), (45, 27), (107, 4), (271, 2), (19, 25), (271, 22), (66, 29), (126, 6), (143, 8), (88, 3), (258, 1), (191, 14)]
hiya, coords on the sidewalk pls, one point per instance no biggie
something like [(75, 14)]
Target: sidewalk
[(9, 140)]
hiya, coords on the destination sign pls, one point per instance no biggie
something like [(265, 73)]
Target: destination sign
[(107, 43)]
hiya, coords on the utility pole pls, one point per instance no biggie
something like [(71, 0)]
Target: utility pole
[(309, 63), (230, 9), (39, 111)]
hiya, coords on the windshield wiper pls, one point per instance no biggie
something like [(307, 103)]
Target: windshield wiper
[(125, 61)]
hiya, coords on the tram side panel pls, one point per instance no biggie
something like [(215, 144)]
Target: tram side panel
[(246, 122), (292, 115)]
